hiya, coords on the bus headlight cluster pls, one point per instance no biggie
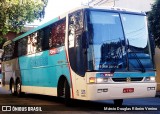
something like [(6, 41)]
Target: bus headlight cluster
[(152, 79), (99, 80)]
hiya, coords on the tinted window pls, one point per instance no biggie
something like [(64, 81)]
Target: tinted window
[(8, 52), (22, 46), (46, 37), (32, 42), (58, 34), (107, 43)]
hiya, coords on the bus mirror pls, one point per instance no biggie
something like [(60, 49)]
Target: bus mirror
[(152, 44), (84, 40)]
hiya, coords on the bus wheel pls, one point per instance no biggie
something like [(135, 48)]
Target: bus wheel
[(118, 102), (67, 93), (18, 88), (12, 88)]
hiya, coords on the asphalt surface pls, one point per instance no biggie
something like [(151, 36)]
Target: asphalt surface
[(32, 103)]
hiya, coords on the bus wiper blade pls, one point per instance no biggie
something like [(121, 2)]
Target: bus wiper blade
[(138, 60)]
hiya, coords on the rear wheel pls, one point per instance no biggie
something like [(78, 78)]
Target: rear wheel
[(18, 88), (118, 102)]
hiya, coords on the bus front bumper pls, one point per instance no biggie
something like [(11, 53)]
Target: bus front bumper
[(120, 91)]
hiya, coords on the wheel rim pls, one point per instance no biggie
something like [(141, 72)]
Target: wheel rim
[(12, 89), (64, 91), (18, 88)]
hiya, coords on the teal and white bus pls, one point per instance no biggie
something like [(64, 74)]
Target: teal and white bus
[(88, 54)]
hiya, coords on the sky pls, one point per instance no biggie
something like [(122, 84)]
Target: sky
[(56, 8)]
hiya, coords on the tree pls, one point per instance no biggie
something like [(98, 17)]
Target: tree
[(154, 22), (14, 14)]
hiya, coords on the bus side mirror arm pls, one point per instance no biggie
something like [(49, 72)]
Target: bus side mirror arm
[(152, 44)]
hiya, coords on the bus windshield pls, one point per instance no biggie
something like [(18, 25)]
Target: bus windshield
[(112, 42)]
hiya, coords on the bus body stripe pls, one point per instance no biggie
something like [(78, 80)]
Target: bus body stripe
[(129, 74), (69, 71)]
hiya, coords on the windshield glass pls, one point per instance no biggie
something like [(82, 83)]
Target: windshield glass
[(106, 40), (111, 44), (136, 34)]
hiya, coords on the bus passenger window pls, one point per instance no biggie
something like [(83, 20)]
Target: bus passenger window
[(43, 37), (22, 46), (40, 38), (32, 43), (58, 34), (8, 52), (46, 37)]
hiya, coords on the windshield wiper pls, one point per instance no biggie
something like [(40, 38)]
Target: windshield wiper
[(138, 60)]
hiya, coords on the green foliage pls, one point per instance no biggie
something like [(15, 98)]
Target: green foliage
[(2, 41), (14, 14), (154, 22)]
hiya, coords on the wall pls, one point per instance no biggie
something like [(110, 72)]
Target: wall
[(157, 62), (142, 5)]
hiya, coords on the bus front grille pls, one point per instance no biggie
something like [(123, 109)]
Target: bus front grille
[(127, 79)]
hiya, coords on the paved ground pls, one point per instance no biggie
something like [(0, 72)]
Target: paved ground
[(49, 104)]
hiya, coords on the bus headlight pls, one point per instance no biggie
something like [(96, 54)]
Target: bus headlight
[(98, 80), (102, 80), (152, 79)]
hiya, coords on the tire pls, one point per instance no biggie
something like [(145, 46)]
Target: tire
[(118, 102), (18, 89), (67, 93), (12, 88)]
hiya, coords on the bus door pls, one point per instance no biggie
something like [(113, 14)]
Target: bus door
[(77, 54)]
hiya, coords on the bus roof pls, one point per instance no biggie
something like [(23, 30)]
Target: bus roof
[(118, 9), (84, 7)]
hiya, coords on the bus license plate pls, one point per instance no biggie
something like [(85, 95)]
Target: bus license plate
[(128, 90)]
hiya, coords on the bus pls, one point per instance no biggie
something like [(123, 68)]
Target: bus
[(1, 51), (89, 53)]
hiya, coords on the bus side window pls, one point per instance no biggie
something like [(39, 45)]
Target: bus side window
[(58, 34), (32, 43), (46, 37), (43, 36), (39, 40), (15, 54), (8, 52), (22, 46)]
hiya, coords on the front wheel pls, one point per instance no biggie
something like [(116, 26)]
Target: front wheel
[(118, 102), (67, 93)]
